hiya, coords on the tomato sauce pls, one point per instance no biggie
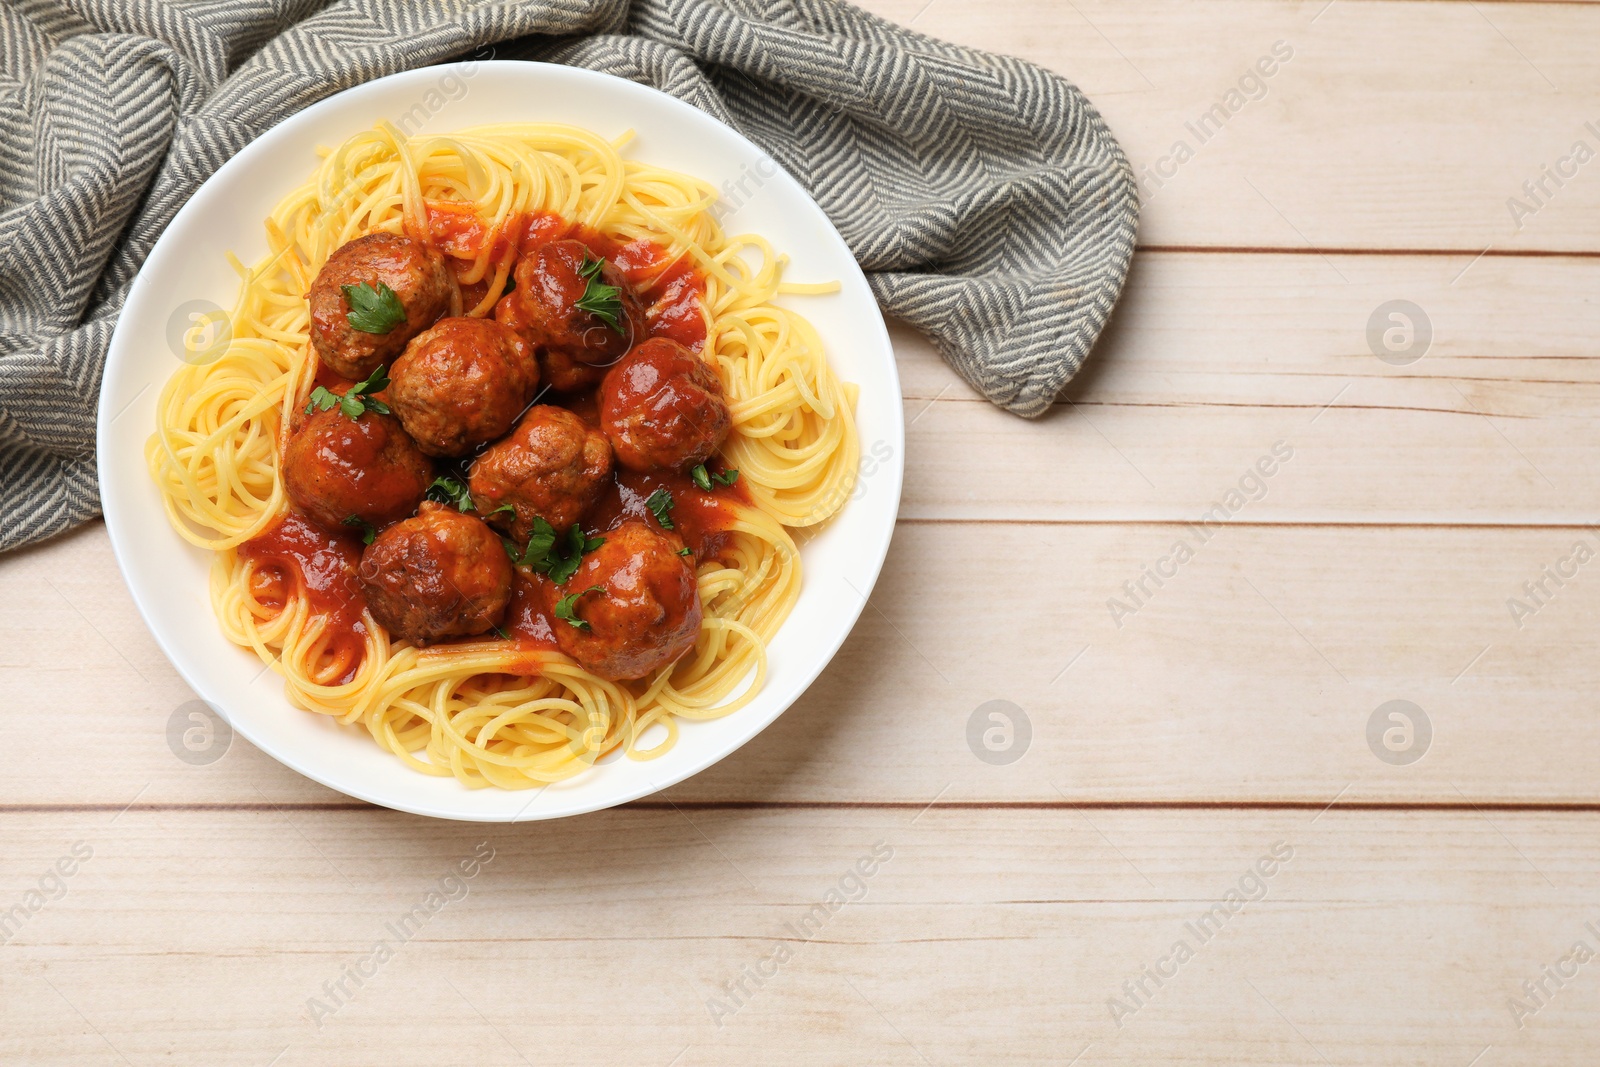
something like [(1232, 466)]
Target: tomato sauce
[(674, 311), (456, 228), (330, 379), (472, 293), (527, 623), (672, 293), (528, 618), (700, 519), (297, 555)]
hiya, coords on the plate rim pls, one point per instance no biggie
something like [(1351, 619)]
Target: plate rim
[(111, 490)]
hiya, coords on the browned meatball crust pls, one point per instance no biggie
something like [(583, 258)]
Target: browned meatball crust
[(553, 465), (440, 574), (336, 468), (575, 347), (663, 408), (646, 612), (461, 384), (418, 275)]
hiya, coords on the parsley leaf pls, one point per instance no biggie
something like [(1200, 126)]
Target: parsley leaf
[(357, 401), (565, 604), (564, 569), (566, 565), (369, 532), (599, 299), (543, 556), (684, 551), (501, 631), (659, 503), (321, 400), (705, 480), (448, 490), (503, 507), (376, 382), (540, 542), (373, 310)]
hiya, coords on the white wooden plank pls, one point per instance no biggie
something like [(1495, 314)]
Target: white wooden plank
[(983, 937), (1393, 124), (1212, 359)]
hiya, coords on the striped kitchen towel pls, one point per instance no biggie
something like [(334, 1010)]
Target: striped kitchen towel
[(985, 198)]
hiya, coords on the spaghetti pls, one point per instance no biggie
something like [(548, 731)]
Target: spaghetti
[(506, 710)]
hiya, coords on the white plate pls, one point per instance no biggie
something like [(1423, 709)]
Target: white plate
[(168, 576)]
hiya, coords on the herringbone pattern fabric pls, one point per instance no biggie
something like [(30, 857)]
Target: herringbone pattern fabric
[(984, 196)]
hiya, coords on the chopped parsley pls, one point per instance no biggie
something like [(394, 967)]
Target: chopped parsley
[(543, 556), (373, 310), (369, 532), (357, 401), (602, 301), (684, 551), (540, 542), (448, 490), (659, 503), (321, 400), (705, 480), (501, 632), (565, 604)]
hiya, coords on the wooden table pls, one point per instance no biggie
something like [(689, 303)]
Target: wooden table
[(1212, 760)]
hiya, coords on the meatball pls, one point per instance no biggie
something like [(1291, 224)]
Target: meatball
[(336, 468), (645, 613), (462, 383), (416, 273), (663, 408), (440, 574), (552, 466), (575, 347)]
